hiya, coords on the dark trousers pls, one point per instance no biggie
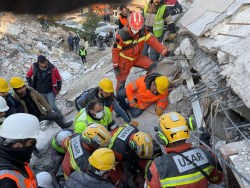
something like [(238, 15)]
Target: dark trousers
[(121, 97), (71, 47), (83, 59)]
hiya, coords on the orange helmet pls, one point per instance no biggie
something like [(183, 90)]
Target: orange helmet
[(136, 20)]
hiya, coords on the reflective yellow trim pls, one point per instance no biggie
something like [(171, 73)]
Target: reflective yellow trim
[(128, 42), (115, 135), (119, 47), (126, 57), (147, 36), (186, 179), (72, 160)]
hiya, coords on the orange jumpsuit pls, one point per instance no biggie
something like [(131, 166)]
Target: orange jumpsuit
[(127, 52)]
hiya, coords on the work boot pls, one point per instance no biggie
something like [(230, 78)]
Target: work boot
[(68, 124)]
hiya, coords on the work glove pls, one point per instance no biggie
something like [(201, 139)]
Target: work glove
[(134, 123), (116, 71), (205, 137), (172, 36), (158, 110)]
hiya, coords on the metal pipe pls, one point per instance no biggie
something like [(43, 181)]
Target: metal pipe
[(223, 160), (234, 124), (240, 126), (238, 23)]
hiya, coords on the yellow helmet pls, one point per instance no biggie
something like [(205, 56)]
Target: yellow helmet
[(162, 84), (103, 159), (106, 85), (96, 135), (174, 126), (142, 143), (4, 86), (16, 82)]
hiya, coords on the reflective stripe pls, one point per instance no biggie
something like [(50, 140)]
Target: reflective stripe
[(14, 175), (163, 100), (120, 47), (115, 135), (126, 57), (185, 179), (147, 36), (135, 86), (72, 160), (128, 42)]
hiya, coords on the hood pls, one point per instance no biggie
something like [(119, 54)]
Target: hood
[(150, 78)]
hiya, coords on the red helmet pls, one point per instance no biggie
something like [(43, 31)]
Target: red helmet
[(136, 20)]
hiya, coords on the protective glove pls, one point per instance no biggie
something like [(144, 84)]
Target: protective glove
[(134, 123), (116, 71), (205, 137), (158, 110), (172, 36)]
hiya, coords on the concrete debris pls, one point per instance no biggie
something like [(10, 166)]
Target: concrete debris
[(187, 48)]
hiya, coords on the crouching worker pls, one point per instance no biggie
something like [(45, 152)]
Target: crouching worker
[(105, 93), (81, 146), (143, 92), (183, 165), (94, 112), (101, 162), (18, 140)]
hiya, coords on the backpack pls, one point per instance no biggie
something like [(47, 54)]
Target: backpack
[(82, 100)]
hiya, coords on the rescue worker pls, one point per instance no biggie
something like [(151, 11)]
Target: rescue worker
[(57, 141), (128, 46), (95, 111), (105, 92), (34, 103), (155, 13), (11, 102), (83, 54), (101, 162), (3, 107), (18, 133), (174, 7), (130, 146), (45, 78), (143, 92), (123, 17), (183, 165), (81, 146)]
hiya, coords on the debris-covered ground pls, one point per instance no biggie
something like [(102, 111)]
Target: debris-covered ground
[(217, 63)]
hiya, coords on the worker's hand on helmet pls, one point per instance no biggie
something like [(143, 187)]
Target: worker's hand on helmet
[(116, 71), (134, 123), (158, 110), (172, 36)]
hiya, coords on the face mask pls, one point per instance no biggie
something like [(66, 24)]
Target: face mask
[(134, 31), (22, 154), (99, 115)]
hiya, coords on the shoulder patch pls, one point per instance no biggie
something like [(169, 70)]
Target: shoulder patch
[(76, 147)]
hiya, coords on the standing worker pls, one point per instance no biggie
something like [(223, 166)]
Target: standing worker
[(123, 17), (18, 133), (83, 54), (128, 46), (183, 166), (155, 13)]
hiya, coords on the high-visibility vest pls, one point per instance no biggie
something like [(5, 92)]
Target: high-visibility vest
[(82, 52), (159, 20), (21, 181), (78, 154), (83, 119)]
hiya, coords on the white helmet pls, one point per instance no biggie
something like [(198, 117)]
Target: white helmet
[(44, 179), (62, 135), (21, 126), (3, 105)]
